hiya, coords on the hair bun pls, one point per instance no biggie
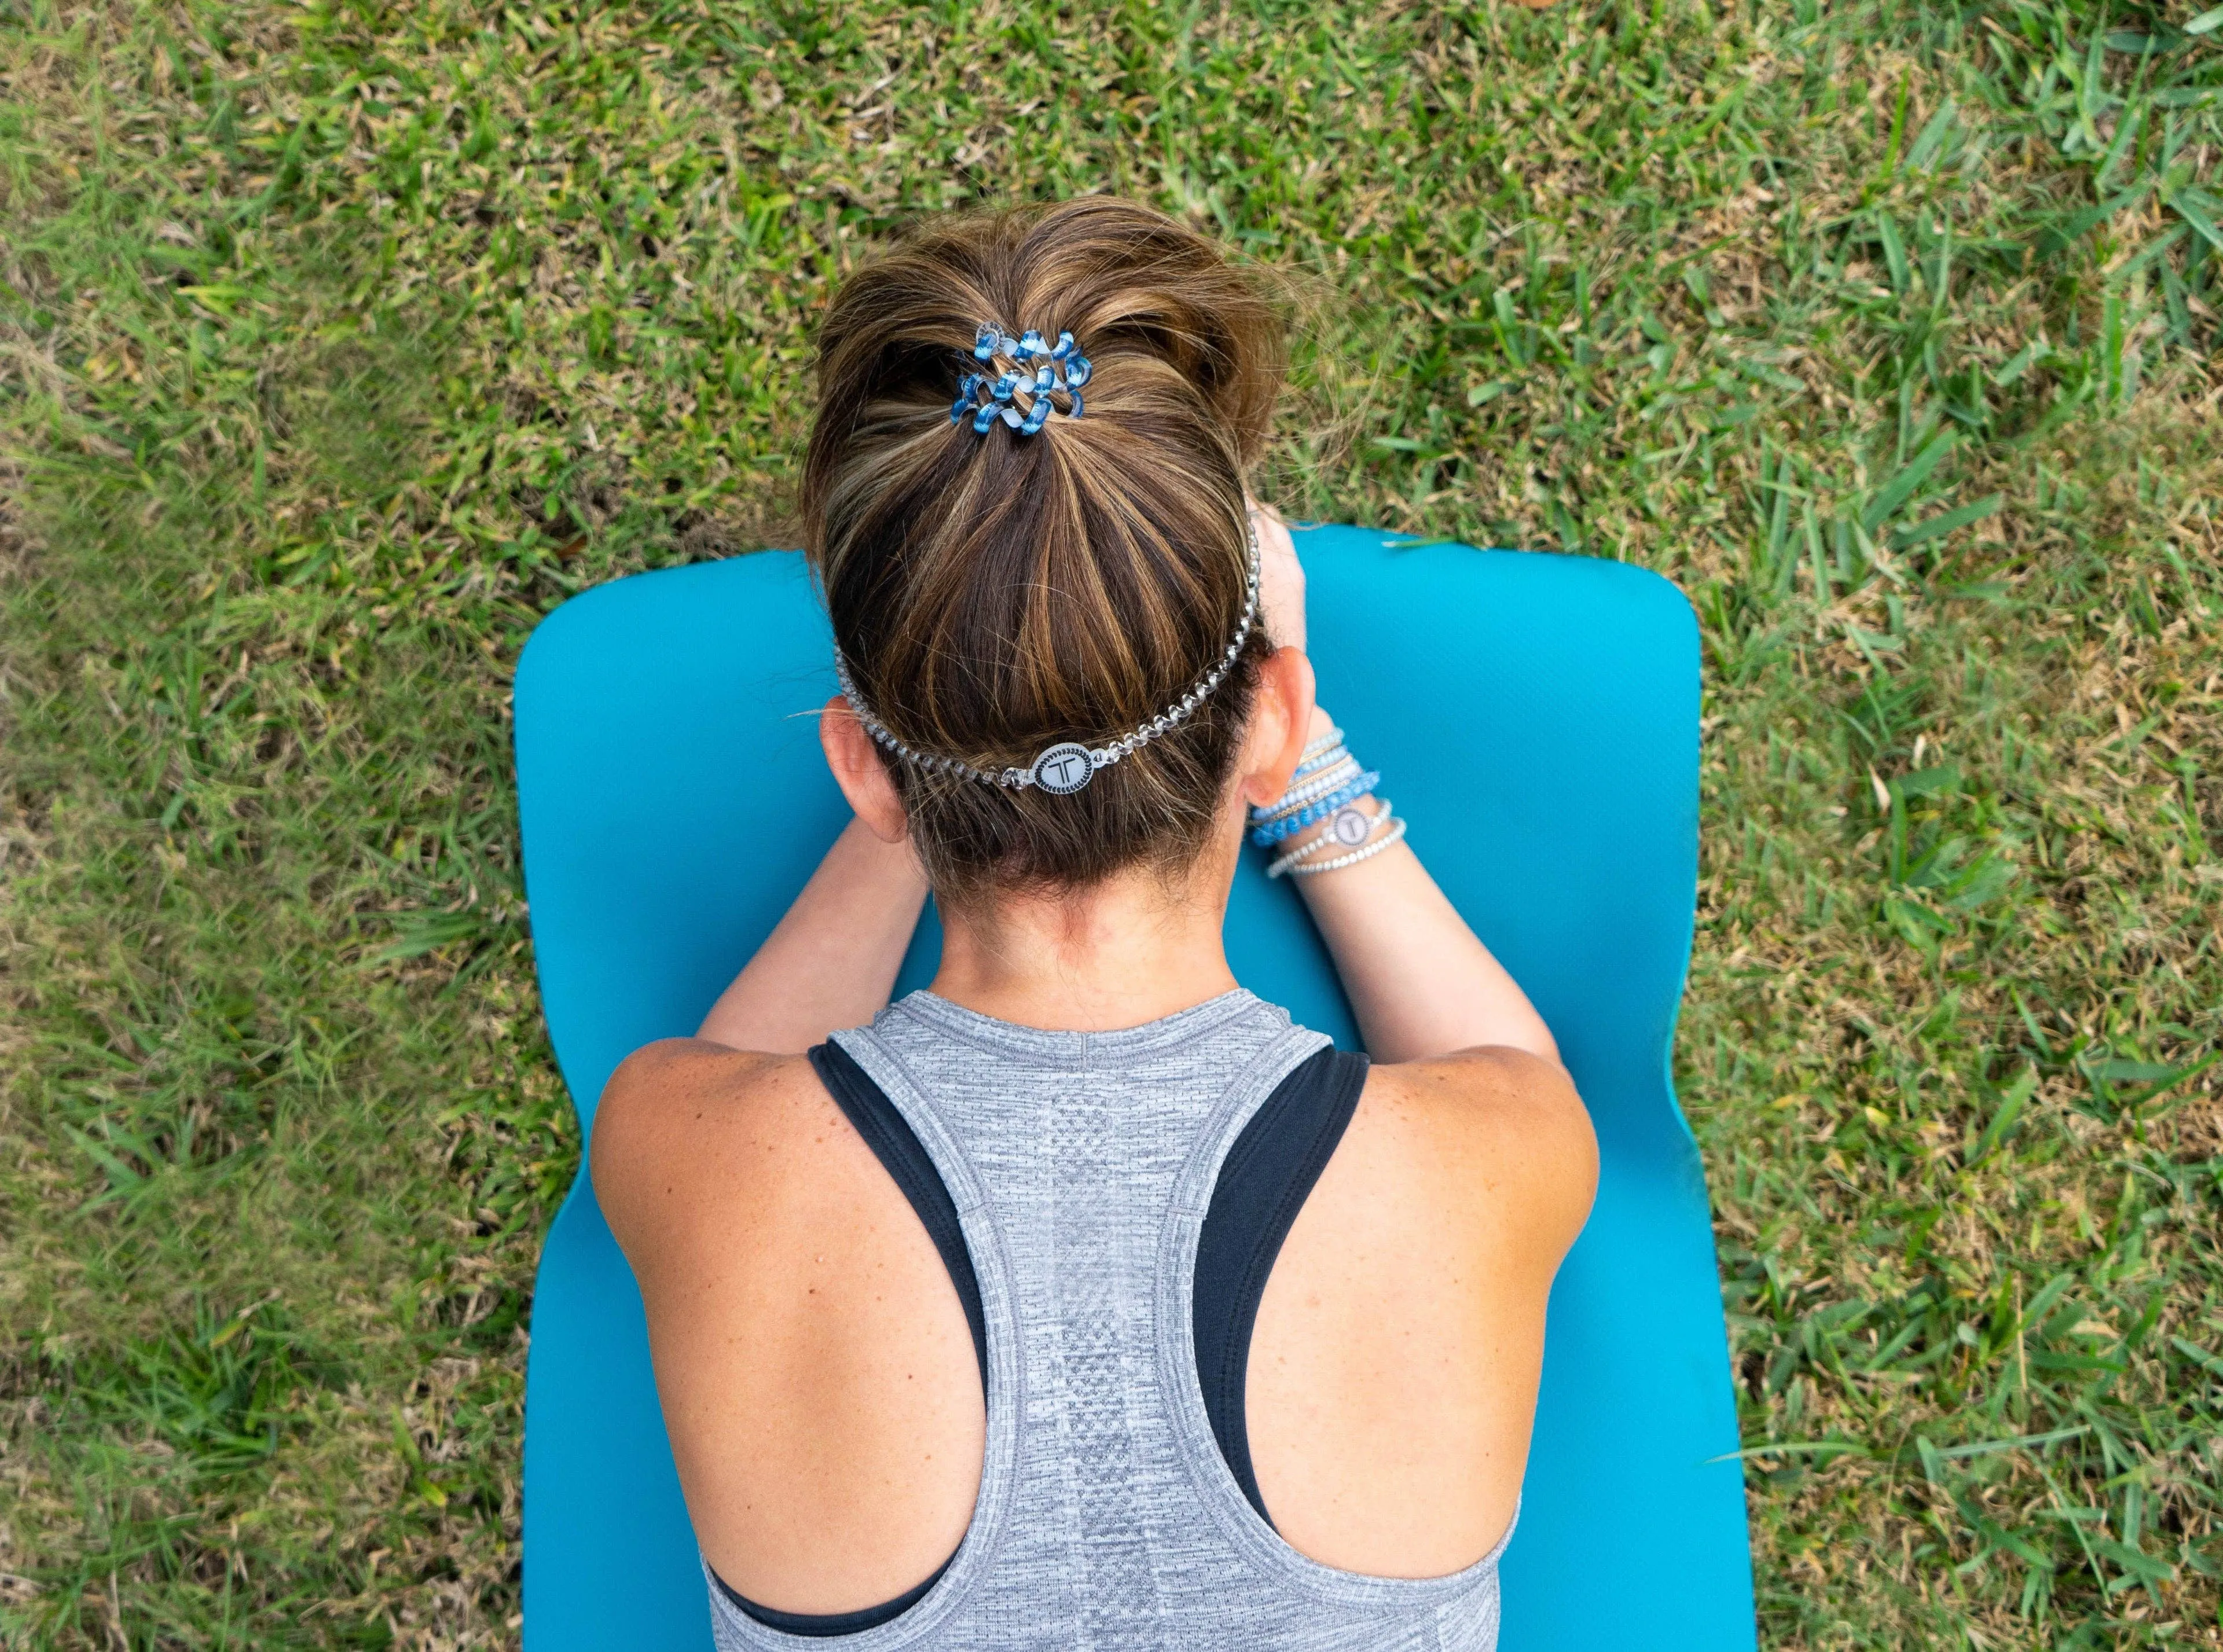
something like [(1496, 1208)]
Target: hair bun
[(994, 596)]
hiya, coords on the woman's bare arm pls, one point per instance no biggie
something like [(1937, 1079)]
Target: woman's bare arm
[(1420, 982), (832, 961)]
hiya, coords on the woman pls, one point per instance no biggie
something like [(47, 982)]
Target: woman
[(1082, 1300)]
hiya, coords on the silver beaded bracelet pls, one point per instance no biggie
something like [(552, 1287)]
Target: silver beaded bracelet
[(1310, 790), (1314, 869), (1349, 828), (1323, 766)]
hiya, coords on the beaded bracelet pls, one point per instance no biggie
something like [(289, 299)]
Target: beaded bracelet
[(1318, 786), (1326, 777), (1288, 826), (1310, 775), (1320, 755), (1314, 869), (1323, 763), (1347, 828)]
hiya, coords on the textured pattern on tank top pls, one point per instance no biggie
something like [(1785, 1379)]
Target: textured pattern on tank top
[(1081, 1165)]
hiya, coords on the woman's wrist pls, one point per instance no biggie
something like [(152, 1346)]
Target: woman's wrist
[(1328, 816), (1366, 803)]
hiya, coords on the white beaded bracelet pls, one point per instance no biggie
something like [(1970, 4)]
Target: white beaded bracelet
[(1314, 868), (1310, 790), (1294, 861)]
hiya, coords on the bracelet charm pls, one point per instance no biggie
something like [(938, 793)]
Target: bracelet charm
[(1350, 826)]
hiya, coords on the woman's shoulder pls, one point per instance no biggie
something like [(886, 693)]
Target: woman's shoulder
[(1499, 1138), (1393, 1367), (687, 1129), (676, 1089)]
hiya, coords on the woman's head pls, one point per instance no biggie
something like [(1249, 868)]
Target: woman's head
[(997, 593)]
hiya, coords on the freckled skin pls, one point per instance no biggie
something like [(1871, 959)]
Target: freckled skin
[(1393, 1370), (808, 1337), (807, 1340)]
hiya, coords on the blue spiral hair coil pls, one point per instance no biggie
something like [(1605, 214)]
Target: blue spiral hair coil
[(1045, 379)]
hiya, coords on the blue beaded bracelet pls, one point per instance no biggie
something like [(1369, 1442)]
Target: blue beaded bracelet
[(1310, 789), (1266, 836)]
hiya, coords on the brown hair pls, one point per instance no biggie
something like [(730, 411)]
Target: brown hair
[(996, 593)]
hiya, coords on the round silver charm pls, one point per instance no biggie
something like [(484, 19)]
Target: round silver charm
[(1349, 827), (1063, 768)]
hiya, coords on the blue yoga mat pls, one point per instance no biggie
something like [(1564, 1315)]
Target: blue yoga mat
[(1537, 720)]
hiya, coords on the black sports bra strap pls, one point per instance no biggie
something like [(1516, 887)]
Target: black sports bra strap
[(1267, 1177), (894, 1143), (829, 1623)]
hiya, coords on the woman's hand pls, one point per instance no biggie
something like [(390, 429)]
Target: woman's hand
[(1281, 577)]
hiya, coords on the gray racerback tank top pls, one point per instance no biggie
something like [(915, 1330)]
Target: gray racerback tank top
[(1082, 1166)]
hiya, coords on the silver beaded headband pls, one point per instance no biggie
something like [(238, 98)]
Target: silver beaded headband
[(1068, 766)]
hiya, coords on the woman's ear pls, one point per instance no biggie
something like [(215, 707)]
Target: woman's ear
[(859, 773), (1280, 719)]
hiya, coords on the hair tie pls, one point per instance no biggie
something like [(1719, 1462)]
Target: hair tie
[(1025, 394)]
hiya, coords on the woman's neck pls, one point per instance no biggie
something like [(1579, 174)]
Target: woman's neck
[(1126, 953)]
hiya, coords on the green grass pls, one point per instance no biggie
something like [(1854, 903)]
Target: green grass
[(340, 342)]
